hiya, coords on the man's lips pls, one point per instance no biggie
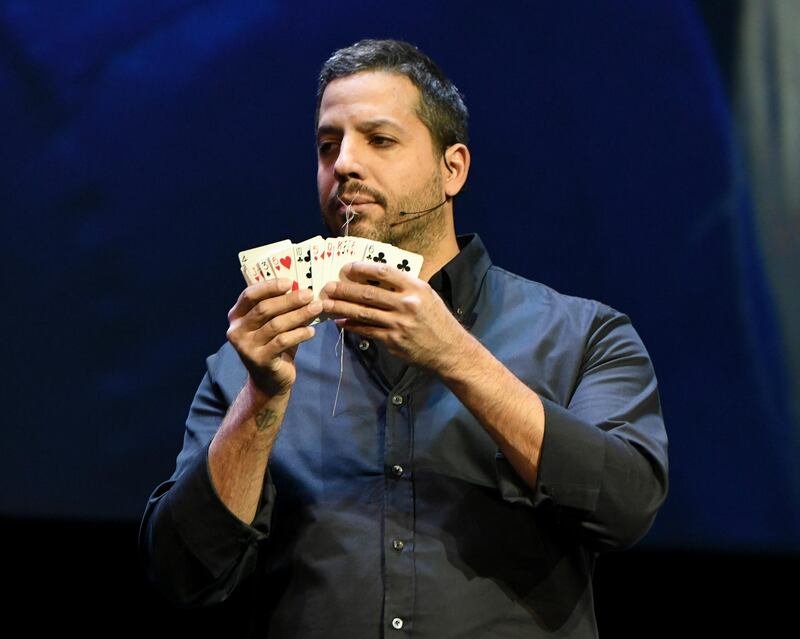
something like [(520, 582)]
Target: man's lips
[(355, 200), (356, 206)]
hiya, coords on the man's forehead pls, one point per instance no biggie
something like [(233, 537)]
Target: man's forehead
[(374, 95)]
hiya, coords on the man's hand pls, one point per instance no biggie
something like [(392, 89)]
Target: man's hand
[(266, 326), (411, 320)]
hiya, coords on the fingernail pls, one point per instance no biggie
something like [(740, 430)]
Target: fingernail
[(284, 284), (315, 307), (306, 295), (327, 305)]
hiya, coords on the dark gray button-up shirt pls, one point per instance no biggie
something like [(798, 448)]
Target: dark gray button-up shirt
[(398, 516)]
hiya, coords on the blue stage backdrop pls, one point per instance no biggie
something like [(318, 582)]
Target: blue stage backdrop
[(144, 144)]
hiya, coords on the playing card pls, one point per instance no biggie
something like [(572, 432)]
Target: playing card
[(328, 251), (253, 263), (318, 262), (332, 273), (376, 252), (283, 265), (348, 249), (304, 262), (253, 272), (404, 261)]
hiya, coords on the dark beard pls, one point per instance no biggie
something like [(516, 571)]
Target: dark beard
[(418, 233)]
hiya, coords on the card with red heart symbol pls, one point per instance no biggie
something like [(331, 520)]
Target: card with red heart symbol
[(284, 265)]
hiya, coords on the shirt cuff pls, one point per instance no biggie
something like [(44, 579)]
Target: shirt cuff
[(570, 467), (213, 534)]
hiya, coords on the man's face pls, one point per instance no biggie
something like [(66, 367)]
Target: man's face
[(375, 152)]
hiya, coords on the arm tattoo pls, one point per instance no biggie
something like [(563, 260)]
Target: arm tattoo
[(265, 418)]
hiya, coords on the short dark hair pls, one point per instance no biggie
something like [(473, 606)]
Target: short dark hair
[(441, 106)]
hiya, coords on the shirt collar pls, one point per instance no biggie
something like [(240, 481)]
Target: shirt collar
[(459, 281)]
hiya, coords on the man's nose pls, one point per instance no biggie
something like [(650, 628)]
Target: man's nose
[(348, 163)]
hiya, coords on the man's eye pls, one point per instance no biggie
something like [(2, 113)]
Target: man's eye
[(324, 148), (380, 140)]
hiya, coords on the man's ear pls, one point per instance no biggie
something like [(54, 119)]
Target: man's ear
[(455, 167)]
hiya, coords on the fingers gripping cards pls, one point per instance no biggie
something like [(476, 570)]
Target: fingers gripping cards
[(316, 261)]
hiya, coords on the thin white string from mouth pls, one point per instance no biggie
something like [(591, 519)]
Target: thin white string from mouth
[(349, 214)]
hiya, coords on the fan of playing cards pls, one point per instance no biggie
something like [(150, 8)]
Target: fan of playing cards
[(317, 261)]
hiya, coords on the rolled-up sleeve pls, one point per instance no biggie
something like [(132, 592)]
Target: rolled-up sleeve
[(603, 462), (194, 549)]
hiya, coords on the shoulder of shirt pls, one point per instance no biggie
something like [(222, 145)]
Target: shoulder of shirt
[(548, 296)]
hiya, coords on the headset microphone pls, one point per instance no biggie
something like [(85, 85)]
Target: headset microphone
[(419, 213)]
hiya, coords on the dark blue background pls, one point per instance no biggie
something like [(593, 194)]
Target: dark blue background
[(142, 145)]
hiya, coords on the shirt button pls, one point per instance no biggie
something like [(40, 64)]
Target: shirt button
[(397, 470), (459, 311), (398, 544), (397, 623), (363, 345), (397, 400)]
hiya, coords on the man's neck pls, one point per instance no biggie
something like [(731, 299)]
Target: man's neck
[(446, 250)]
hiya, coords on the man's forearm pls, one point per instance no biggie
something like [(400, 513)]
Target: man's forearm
[(240, 450), (511, 413)]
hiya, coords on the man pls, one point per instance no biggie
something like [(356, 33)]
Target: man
[(491, 436)]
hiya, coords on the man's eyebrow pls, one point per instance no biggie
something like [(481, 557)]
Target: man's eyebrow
[(328, 129), (362, 127), (371, 125)]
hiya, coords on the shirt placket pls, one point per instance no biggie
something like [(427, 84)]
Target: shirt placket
[(398, 535)]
